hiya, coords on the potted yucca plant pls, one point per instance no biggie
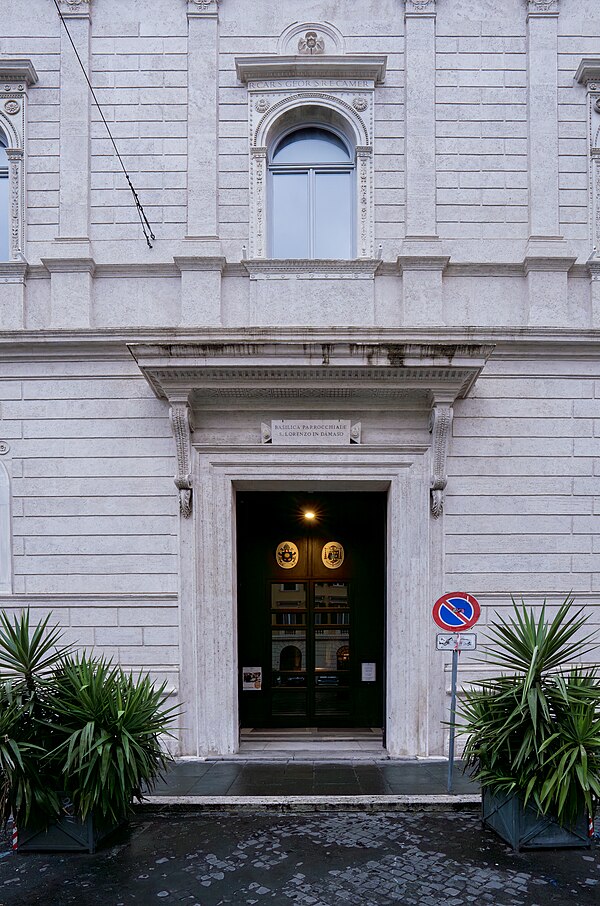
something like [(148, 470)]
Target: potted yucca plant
[(533, 733), (80, 738)]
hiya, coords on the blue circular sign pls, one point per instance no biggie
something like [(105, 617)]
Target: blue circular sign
[(456, 611)]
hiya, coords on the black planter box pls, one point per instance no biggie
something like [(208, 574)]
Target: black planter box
[(525, 828), (66, 834)]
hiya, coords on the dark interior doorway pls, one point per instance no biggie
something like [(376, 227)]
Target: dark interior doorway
[(311, 595)]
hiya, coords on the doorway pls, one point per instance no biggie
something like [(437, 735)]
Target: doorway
[(311, 592)]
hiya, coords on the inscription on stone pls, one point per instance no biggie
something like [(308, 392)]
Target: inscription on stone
[(308, 431), (279, 84)]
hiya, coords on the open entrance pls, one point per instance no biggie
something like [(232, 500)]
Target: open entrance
[(311, 592)]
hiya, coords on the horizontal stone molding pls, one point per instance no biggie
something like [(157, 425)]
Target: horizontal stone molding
[(18, 69), (273, 67), (314, 269)]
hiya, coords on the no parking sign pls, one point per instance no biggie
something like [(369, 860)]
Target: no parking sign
[(456, 611)]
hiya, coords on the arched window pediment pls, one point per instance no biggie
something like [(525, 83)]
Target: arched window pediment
[(332, 90)]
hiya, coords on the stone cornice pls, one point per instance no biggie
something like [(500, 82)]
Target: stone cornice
[(69, 265), (422, 262), (317, 269), (548, 264), (175, 371), (588, 70), (13, 271), (13, 69), (200, 263), (273, 66)]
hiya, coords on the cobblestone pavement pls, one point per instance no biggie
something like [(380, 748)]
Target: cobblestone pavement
[(315, 859)]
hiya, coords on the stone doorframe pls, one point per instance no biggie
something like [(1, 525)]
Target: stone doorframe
[(209, 655), (231, 372)]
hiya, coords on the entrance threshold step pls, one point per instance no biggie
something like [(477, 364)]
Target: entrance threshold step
[(315, 803)]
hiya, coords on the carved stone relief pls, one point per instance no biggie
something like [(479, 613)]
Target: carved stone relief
[(311, 38), (203, 7), (15, 77), (75, 8), (420, 6), (440, 426), (542, 6), (311, 44), (182, 425)]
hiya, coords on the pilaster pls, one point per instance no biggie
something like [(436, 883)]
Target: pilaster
[(546, 259), (202, 118), (201, 288), (74, 188), (588, 74), (419, 65), (422, 265), (71, 284), (542, 103)]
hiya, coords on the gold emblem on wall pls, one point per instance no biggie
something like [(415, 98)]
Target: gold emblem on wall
[(286, 554), (332, 554)]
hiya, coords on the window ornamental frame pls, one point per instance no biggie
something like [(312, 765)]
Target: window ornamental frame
[(16, 75), (282, 86)]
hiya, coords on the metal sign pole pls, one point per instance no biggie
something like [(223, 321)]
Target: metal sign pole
[(455, 654)]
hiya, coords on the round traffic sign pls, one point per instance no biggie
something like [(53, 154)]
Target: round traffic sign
[(456, 611)]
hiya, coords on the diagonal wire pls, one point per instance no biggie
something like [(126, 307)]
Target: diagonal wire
[(146, 228)]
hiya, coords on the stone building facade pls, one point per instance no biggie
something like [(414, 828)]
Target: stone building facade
[(431, 388)]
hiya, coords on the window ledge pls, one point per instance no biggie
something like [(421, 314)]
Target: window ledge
[(311, 269)]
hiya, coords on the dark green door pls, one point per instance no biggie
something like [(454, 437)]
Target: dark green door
[(311, 609)]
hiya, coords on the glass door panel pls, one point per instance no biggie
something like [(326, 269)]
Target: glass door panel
[(331, 640), (288, 648), (310, 649)]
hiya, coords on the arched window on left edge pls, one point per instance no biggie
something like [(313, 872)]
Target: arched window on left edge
[(5, 550), (4, 245), (311, 184)]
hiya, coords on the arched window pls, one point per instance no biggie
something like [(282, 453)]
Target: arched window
[(311, 172), (290, 658), (4, 250), (5, 565)]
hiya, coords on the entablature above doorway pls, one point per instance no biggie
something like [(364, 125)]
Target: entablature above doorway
[(232, 375)]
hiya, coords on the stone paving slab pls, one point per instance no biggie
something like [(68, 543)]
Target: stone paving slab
[(326, 859), (239, 778)]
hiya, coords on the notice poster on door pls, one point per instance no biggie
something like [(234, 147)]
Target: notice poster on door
[(367, 672), (251, 679)]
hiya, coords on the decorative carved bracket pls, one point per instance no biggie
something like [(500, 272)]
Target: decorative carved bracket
[(542, 7), (440, 426), (420, 7), (202, 8), (75, 9), (182, 425)]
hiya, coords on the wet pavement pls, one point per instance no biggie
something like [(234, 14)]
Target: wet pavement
[(312, 778), (330, 858)]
